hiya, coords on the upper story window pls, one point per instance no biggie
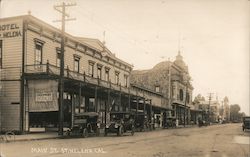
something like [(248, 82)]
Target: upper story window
[(99, 71), (117, 73), (77, 63), (157, 89), (1, 54), (107, 73), (187, 97), (58, 57), (126, 80), (38, 51), (181, 94), (91, 68)]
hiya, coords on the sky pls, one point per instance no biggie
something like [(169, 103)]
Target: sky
[(212, 35)]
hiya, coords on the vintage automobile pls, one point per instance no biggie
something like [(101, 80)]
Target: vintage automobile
[(141, 122), (120, 122), (170, 122), (246, 123), (202, 122), (84, 124)]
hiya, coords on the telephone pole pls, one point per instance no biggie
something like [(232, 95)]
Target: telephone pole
[(209, 101), (62, 9)]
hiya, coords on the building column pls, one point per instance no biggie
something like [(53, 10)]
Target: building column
[(137, 105), (120, 101), (96, 100), (144, 105), (129, 102)]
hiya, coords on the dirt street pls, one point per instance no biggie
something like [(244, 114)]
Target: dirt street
[(226, 140)]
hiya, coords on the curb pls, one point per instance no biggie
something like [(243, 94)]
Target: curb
[(31, 139), (64, 137)]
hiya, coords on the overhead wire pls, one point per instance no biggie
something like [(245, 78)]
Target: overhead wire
[(124, 36)]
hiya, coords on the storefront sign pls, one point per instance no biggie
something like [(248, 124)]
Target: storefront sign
[(10, 30), (44, 96)]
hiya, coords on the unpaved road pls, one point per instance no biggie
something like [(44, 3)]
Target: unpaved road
[(225, 140)]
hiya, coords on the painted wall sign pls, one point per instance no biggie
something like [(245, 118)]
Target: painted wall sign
[(10, 30), (43, 96)]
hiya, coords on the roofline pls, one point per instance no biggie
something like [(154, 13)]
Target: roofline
[(146, 89), (35, 19)]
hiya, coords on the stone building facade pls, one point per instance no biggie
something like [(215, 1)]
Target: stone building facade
[(172, 80)]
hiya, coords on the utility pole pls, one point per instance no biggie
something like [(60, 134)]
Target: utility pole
[(62, 9), (209, 102), (169, 86)]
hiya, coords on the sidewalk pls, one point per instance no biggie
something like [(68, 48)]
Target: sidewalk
[(34, 136), (54, 135)]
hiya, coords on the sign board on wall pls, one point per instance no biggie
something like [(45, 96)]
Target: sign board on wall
[(43, 95), (10, 30)]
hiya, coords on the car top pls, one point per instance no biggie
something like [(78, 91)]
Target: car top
[(121, 112), (90, 114)]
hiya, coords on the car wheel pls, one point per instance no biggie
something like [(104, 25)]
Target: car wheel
[(97, 132), (133, 131), (106, 132), (68, 133), (85, 132), (120, 131)]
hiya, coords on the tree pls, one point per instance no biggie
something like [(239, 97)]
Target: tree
[(234, 113), (198, 98)]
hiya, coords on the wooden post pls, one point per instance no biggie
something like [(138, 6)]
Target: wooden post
[(120, 101), (129, 102), (144, 105), (137, 105), (96, 103), (80, 94)]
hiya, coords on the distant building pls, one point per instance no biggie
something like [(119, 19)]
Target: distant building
[(211, 109), (226, 110)]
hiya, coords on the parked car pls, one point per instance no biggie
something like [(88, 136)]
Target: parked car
[(170, 123), (85, 124), (202, 122), (246, 123), (120, 122), (141, 122)]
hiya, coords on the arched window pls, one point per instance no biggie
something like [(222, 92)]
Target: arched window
[(187, 98), (181, 94)]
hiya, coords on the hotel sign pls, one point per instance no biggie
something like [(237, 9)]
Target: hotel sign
[(10, 30)]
